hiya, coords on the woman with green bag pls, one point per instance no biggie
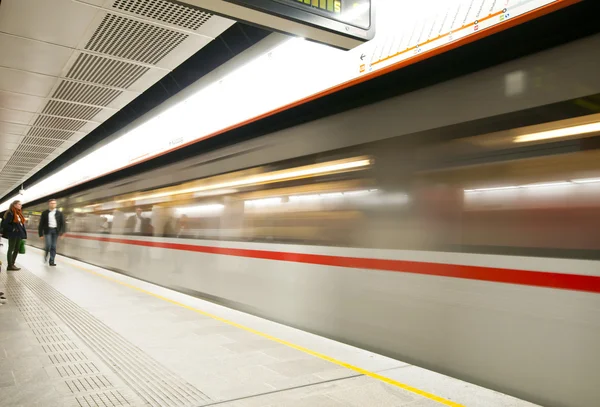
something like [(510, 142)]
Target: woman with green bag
[(13, 228)]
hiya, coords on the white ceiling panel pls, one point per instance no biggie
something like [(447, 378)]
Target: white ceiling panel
[(7, 148), (10, 138), (29, 83), (33, 55), (45, 20), (16, 101), (8, 151), (97, 3), (66, 66), (12, 128), (16, 116)]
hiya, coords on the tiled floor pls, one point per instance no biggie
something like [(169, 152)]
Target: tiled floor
[(78, 335)]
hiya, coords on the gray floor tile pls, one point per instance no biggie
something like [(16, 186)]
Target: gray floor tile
[(251, 345), (30, 375), (373, 393), (301, 367), (285, 353), (360, 391)]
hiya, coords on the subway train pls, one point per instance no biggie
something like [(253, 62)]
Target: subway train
[(456, 227)]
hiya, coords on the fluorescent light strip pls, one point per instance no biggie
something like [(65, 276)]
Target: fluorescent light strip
[(558, 133)]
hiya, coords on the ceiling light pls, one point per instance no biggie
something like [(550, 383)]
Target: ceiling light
[(558, 133)]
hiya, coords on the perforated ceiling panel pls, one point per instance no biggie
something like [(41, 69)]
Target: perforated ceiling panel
[(165, 11), (94, 59), (42, 141), (130, 39), (60, 123), (84, 93), (106, 71), (25, 159), (50, 133), (64, 109), (27, 148)]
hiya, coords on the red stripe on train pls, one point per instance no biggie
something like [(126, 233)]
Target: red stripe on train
[(496, 275)]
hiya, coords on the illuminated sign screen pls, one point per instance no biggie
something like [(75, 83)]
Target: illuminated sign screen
[(351, 18), (354, 12)]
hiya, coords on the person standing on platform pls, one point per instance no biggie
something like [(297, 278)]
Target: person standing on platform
[(2, 297), (52, 225), (13, 229)]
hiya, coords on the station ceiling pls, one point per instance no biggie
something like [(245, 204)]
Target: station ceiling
[(73, 72)]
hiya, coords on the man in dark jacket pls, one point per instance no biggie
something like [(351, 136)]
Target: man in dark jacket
[(52, 225)]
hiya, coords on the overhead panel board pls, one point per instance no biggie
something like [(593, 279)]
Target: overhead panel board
[(340, 23)]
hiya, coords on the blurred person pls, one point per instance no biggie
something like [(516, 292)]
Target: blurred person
[(2, 297), (137, 224), (183, 228), (119, 223), (52, 225), (171, 227), (13, 229), (104, 225)]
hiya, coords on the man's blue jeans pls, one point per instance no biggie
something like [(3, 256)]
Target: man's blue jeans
[(50, 240)]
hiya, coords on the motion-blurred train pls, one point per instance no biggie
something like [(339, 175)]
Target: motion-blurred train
[(433, 227)]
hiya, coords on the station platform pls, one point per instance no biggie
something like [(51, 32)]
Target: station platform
[(79, 335)]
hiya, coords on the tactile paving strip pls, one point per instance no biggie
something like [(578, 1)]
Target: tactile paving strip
[(79, 369), (80, 381), (86, 384), (70, 369), (156, 385), (110, 398)]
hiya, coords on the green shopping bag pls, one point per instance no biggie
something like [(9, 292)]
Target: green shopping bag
[(22, 247)]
